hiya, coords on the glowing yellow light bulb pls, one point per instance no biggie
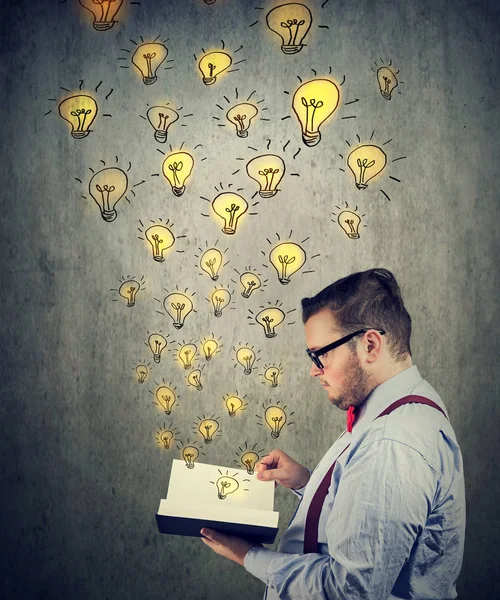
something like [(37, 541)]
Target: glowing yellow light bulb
[(365, 163), (387, 81), (142, 373), (161, 117), (79, 111), (248, 460), (165, 398), (267, 170), (240, 116), (107, 187), (246, 358), (160, 238), (147, 58), (177, 168), (275, 417), (208, 428), (270, 318), (226, 485), (178, 306), (129, 290), (103, 11), (157, 344), (313, 103), (210, 347), (194, 379), (272, 374), (220, 299), (166, 437), (190, 454), (187, 354), (229, 207), (349, 222), (250, 282), (290, 22), (233, 403), (287, 258), (211, 262), (212, 65)]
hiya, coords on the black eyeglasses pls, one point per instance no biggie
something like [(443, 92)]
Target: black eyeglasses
[(315, 354)]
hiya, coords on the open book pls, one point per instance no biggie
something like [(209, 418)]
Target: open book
[(226, 499)]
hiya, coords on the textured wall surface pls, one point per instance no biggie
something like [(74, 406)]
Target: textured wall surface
[(82, 474)]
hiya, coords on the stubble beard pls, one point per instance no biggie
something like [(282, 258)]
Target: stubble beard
[(356, 385)]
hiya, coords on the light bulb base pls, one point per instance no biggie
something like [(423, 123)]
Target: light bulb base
[(209, 1), (208, 357), (247, 371), (311, 138), (79, 135), (187, 367), (208, 441), (275, 434), (231, 413), (199, 388), (190, 466), (109, 215), (274, 385), (167, 412), (149, 80), (289, 49), (214, 278), (103, 25), (385, 95), (218, 313), (178, 191), (209, 80), (160, 136), (246, 294), (270, 334), (283, 280), (131, 303), (156, 358), (250, 471), (141, 380), (178, 325), (361, 186), (221, 497), (158, 258), (228, 230), (353, 236), (166, 446), (267, 193), (242, 134)]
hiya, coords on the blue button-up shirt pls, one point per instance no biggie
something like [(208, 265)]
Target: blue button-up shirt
[(393, 522)]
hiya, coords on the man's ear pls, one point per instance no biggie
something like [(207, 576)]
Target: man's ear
[(372, 346)]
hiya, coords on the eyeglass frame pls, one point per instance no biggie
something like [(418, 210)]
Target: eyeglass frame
[(315, 354)]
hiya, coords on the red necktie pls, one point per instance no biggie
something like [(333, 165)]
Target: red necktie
[(351, 417)]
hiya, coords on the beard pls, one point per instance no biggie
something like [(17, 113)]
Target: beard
[(356, 386)]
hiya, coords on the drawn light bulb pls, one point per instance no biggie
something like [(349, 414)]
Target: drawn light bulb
[(267, 170), (177, 168), (209, 1), (250, 282), (107, 187), (349, 222), (287, 258), (240, 116), (161, 117), (365, 163), (233, 403), (165, 398), (270, 318), (103, 11), (246, 358), (142, 373), (129, 290), (190, 454), (194, 379), (208, 428), (160, 238), (79, 111), (272, 374), (166, 438), (220, 299), (210, 347), (226, 485), (275, 417), (178, 306), (314, 102), (147, 58), (211, 262), (187, 354), (248, 460), (212, 65), (290, 22), (387, 81), (229, 207), (157, 344)]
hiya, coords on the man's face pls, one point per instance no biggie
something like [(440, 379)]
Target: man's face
[(343, 376)]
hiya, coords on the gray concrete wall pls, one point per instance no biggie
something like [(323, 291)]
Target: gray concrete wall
[(82, 474)]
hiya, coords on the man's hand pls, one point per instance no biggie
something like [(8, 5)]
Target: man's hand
[(230, 546), (280, 467)]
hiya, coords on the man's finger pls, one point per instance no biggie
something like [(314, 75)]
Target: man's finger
[(269, 474)]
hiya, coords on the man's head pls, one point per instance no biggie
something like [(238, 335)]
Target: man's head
[(369, 302)]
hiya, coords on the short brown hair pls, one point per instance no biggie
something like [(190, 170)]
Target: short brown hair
[(368, 299)]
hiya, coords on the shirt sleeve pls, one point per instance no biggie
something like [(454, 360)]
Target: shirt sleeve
[(300, 491), (381, 505)]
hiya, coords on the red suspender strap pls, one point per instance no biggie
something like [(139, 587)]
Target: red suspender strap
[(316, 505)]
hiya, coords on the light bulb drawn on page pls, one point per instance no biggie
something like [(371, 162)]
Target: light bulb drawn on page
[(248, 457), (157, 343), (104, 12), (275, 417), (148, 58), (142, 370), (220, 299), (240, 116), (160, 238), (269, 317), (165, 396), (234, 403), (387, 79), (349, 221), (268, 171), (167, 436), (129, 288), (177, 305), (211, 259), (272, 374), (291, 22), (211, 346), (246, 356), (186, 354), (194, 379), (207, 427)]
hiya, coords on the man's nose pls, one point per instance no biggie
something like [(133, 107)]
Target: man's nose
[(314, 371)]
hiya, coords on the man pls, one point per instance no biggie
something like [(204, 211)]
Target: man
[(383, 514)]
